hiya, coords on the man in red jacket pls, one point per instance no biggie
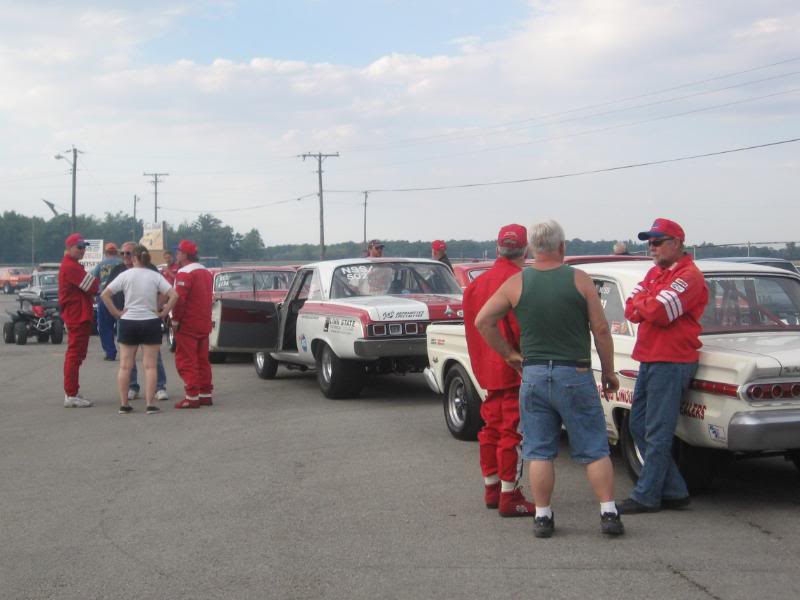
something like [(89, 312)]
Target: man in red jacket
[(191, 319), (76, 289), (667, 305), (501, 462)]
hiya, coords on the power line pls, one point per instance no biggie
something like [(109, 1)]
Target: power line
[(241, 208), (586, 131), (582, 108), (573, 174)]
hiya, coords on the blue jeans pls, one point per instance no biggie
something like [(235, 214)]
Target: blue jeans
[(161, 378), (106, 329), (552, 395), (657, 397)]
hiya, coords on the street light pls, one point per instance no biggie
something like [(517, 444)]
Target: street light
[(74, 164)]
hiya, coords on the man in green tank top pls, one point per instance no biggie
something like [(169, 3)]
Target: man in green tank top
[(557, 307)]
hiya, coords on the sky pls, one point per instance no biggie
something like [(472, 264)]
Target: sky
[(224, 96)]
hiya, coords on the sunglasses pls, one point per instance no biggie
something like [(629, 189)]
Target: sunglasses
[(657, 243)]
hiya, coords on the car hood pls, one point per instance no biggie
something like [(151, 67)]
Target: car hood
[(423, 307), (775, 353)]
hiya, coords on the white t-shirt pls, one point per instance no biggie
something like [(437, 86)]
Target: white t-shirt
[(140, 287)]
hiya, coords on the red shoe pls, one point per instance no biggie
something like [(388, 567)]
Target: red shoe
[(188, 403), (513, 504), (491, 495), (205, 400)]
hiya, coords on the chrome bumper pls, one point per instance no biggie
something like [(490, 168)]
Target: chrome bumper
[(765, 430), (391, 348), (430, 379)]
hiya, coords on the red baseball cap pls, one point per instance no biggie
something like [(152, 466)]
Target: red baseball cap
[(663, 228), (76, 239), (438, 245), (512, 236), (187, 247)]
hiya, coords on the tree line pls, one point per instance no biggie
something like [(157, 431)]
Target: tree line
[(31, 240)]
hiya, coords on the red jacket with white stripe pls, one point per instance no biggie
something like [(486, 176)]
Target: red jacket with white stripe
[(76, 290), (668, 305), (491, 371), (192, 312)]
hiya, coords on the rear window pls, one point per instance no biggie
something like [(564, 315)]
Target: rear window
[(234, 281), (739, 303), (393, 278), (273, 280)]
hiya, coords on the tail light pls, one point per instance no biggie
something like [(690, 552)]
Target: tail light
[(715, 387), (774, 391), (397, 329)]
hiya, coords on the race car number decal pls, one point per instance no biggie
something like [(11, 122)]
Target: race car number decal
[(356, 272)]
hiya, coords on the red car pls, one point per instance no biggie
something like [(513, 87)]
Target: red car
[(265, 283), (14, 278), (467, 272)]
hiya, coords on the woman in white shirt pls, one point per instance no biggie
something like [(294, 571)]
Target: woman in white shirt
[(139, 323)]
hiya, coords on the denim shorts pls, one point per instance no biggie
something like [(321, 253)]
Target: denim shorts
[(550, 396)]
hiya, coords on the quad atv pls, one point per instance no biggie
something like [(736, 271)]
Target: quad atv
[(35, 318)]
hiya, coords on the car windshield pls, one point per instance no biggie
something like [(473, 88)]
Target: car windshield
[(48, 279), (273, 280), (740, 303), (392, 278)]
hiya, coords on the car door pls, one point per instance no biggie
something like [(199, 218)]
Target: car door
[(294, 301), (244, 326)]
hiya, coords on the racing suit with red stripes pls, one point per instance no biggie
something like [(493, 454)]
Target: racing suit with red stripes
[(76, 289), (668, 306), (192, 318), (499, 438)]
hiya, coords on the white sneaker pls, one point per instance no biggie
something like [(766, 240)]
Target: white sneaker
[(76, 402), (162, 395), (132, 394)]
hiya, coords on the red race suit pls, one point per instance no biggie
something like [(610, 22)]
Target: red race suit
[(170, 272), (499, 439), (192, 316), (668, 305), (76, 290)]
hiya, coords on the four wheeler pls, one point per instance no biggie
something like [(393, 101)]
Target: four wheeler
[(39, 318)]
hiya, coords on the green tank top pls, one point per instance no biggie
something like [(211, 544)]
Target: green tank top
[(553, 317)]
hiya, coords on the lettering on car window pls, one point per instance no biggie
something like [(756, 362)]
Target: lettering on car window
[(613, 308)]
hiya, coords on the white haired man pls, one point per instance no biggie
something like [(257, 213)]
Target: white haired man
[(557, 307)]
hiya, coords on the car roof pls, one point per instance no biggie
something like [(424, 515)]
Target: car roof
[(747, 259), (626, 269), (252, 268)]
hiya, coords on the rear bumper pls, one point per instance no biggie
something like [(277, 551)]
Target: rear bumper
[(430, 379), (765, 430), (391, 348)]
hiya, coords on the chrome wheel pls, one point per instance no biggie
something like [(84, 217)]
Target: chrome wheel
[(260, 360), (456, 403), (327, 365)]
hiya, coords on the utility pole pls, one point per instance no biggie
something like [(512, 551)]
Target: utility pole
[(33, 242), (135, 222), (74, 165), (320, 157), (155, 181), (366, 195)]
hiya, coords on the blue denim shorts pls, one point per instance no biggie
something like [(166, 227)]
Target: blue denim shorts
[(550, 396)]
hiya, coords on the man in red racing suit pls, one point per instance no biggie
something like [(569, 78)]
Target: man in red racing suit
[(499, 440), (76, 289), (667, 305), (191, 319)]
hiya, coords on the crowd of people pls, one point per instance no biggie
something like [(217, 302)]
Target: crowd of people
[(134, 301), (529, 332)]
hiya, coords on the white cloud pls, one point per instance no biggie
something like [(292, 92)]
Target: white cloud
[(243, 120)]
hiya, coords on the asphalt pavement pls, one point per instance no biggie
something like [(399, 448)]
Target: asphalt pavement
[(277, 492)]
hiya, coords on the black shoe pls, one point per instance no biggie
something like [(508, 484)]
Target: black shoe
[(110, 358), (125, 409), (611, 524), (675, 503), (629, 506), (152, 410), (543, 527)]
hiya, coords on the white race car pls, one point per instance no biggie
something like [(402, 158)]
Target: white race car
[(744, 400), (346, 318)]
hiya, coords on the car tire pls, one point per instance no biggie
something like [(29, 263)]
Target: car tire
[(20, 333), (217, 358), (57, 331), (338, 378), (7, 289), (266, 366), (795, 458), (462, 405), (698, 466), (630, 453), (43, 338), (8, 332)]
